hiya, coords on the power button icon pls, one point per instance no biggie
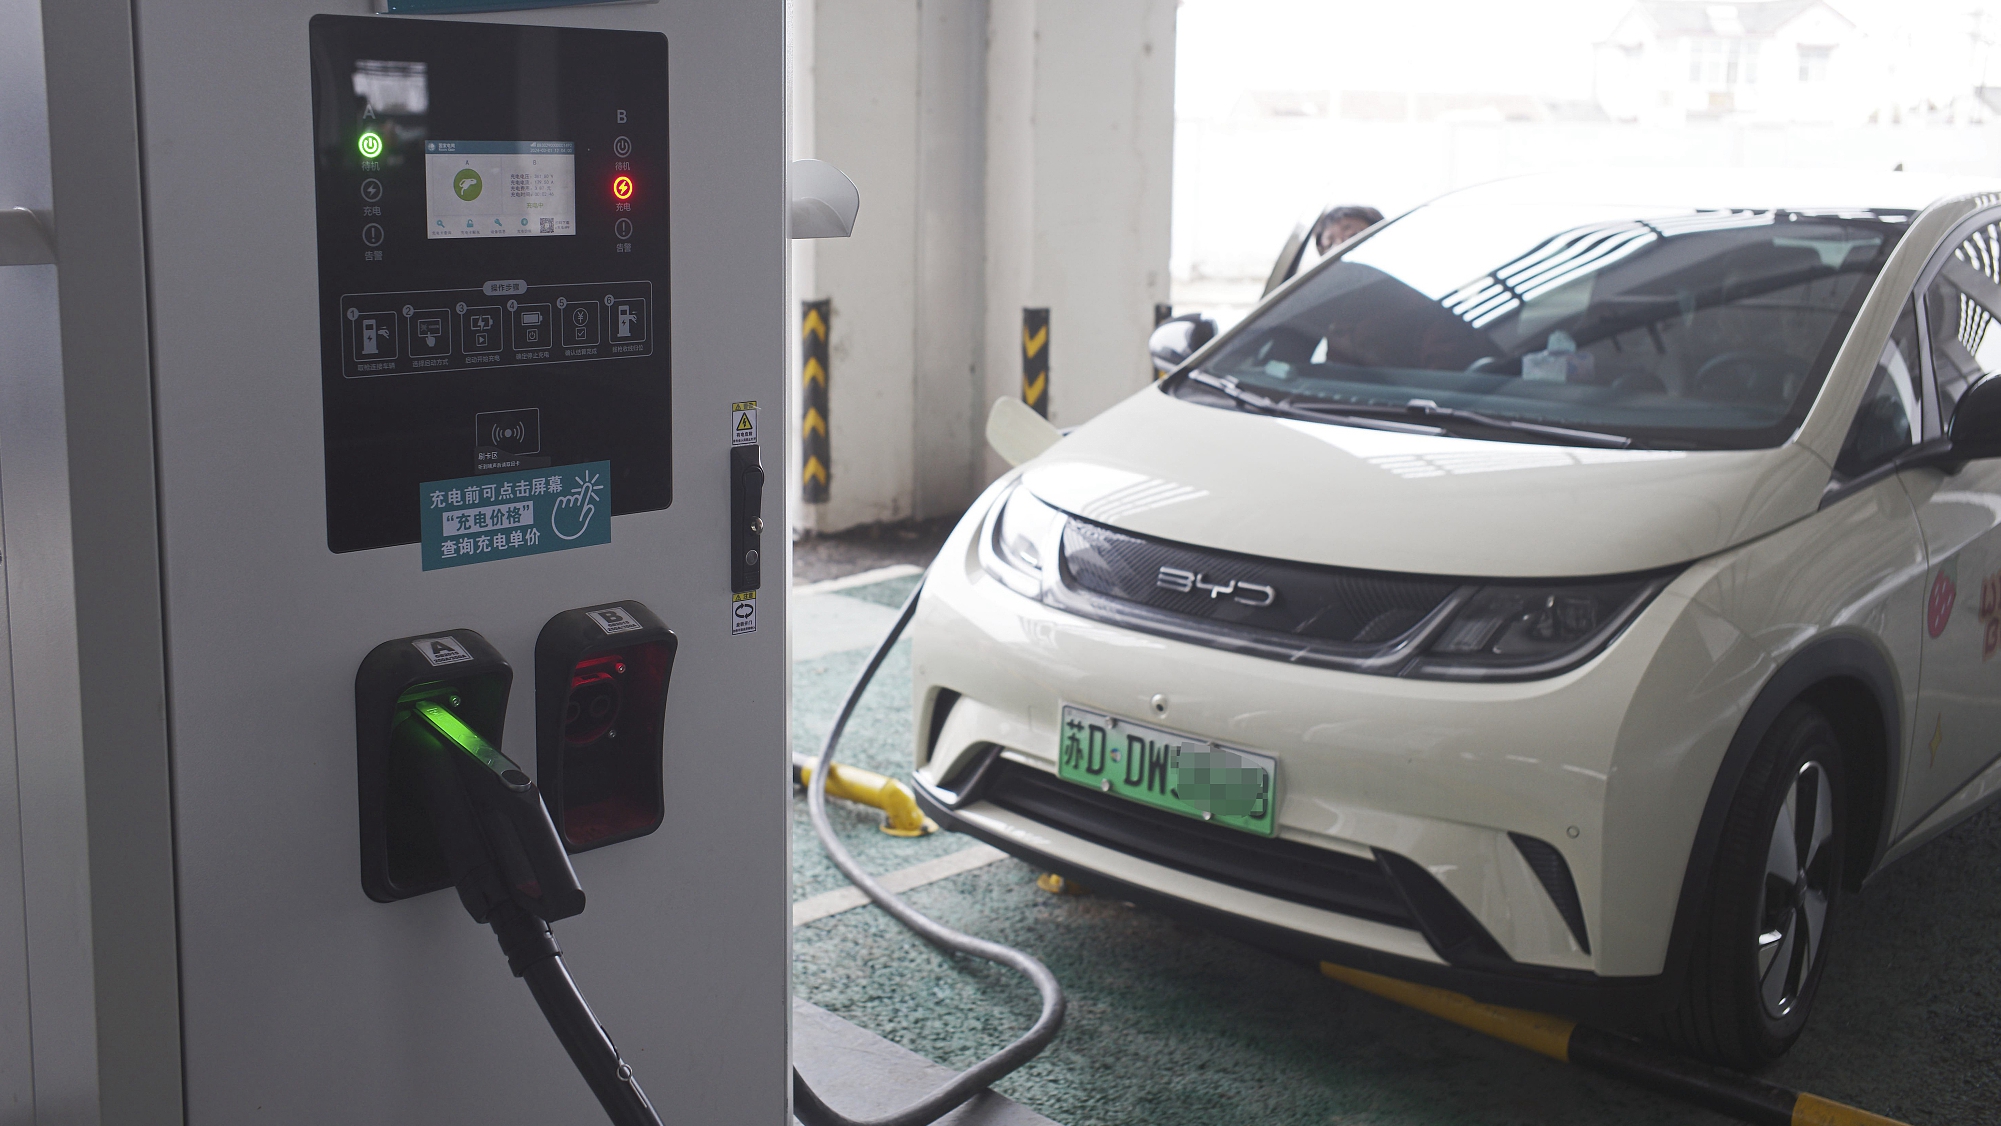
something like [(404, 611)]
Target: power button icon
[(622, 146)]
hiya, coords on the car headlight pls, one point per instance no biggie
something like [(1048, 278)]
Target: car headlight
[(1020, 543), (1517, 630)]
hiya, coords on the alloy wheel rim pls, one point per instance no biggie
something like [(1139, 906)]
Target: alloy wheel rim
[(1794, 890)]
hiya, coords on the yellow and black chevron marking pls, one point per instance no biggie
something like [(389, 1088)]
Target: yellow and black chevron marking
[(1739, 1096), (816, 455), (1035, 359)]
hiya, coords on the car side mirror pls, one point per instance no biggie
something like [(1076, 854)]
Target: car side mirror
[(1178, 338), (1975, 429)]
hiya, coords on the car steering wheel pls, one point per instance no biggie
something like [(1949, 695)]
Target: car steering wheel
[(1747, 376)]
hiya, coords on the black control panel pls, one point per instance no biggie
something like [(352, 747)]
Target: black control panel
[(492, 221)]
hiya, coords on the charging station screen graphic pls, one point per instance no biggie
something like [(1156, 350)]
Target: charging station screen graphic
[(504, 189)]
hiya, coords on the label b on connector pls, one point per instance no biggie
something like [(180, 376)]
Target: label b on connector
[(613, 619)]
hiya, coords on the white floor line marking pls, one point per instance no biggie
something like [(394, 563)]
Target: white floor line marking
[(903, 879), (865, 578)]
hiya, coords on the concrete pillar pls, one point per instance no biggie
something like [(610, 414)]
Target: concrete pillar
[(1009, 153), (1080, 146), (865, 111)]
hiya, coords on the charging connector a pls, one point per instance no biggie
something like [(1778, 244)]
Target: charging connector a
[(489, 819), (441, 805), (401, 855)]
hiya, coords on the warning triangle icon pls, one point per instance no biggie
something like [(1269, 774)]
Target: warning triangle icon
[(743, 421)]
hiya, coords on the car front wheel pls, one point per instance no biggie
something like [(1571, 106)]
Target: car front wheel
[(1762, 943)]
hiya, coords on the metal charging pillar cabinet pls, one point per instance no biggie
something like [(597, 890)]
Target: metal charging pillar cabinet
[(367, 327)]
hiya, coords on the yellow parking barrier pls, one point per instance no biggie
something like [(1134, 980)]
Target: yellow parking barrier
[(900, 815), (1057, 885), (1740, 1096)]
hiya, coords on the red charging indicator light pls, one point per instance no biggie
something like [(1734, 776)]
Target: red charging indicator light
[(622, 187)]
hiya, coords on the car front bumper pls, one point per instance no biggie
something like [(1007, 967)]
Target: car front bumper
[(1291, 931)]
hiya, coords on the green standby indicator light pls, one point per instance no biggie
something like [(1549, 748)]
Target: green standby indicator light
[(370, 145)]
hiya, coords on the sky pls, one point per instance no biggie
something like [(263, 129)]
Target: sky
[(1538, 47)]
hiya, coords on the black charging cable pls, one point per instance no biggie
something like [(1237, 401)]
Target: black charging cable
[(807, 1106), (534, 957), (513, 874)]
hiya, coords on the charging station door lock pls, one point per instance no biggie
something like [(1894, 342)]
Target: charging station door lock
[(601, 675), (746, 519)]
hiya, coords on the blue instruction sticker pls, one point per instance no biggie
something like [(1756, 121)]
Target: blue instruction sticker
[(502, 515)]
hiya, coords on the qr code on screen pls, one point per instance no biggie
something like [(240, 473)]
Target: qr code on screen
[(548, 226)]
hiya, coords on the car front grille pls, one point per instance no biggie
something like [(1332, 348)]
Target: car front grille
[(1333, 616)]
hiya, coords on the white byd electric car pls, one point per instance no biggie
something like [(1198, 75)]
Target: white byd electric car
[(1561, 595)]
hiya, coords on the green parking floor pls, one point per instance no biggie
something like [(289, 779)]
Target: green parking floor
[(1169, 1024)]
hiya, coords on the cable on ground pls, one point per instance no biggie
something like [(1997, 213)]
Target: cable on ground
[(807, 1106)]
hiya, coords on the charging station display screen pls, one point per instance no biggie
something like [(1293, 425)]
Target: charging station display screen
[(505, 189), (493, 221)]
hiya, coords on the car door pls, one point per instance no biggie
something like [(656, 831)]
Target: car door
[(1958, 722)]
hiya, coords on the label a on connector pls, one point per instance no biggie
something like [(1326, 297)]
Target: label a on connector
[(502, 515), (445, 650)]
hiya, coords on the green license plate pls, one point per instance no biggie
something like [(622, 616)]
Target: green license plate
[(1180, 773)]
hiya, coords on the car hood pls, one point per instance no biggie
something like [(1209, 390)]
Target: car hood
[(1353, 497)]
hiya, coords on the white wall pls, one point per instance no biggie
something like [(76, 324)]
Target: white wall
[(865, 120), (1080, 142), (1009, 153)]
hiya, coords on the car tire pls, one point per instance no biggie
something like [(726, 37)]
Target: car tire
[(1761, 942)]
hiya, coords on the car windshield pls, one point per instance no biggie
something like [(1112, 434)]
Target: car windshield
[(1671, 329)]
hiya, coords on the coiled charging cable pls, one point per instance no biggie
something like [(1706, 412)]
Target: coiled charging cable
[(807, 1106)]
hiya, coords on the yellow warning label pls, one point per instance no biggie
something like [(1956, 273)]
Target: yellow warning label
[(1033, 392), (1033, 344), (743, 422), (749, 406), (743, 431)]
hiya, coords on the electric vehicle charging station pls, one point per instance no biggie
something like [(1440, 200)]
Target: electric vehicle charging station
[(425, 335)]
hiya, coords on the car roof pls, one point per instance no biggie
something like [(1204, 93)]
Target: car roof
[(1758, 188)]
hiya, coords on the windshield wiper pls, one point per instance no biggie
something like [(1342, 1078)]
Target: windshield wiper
[(1428, 410), (1227, 386)]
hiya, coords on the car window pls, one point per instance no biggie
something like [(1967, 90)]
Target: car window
[(1889, 419), (1682, 329), (1961, 306)]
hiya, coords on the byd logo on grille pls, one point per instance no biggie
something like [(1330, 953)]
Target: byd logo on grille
[(1186, 582)]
